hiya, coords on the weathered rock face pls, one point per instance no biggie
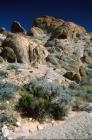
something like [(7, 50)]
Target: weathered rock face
[(3, 31), (68, 31), (53, 42), (20, 48), (87, 57), (75, 28), (17, 28), (58, 28), (18, 43), (37, 53), (8, 54), (36, 32), (2, 38), (3, 35), (48, 23)]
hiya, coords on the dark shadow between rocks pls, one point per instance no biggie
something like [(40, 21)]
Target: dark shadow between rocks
[(73, 77)]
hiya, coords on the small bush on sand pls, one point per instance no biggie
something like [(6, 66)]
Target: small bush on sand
[(45, 98)]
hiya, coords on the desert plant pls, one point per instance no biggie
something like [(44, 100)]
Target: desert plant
[(27, 103), (45, 98), (33, 105)]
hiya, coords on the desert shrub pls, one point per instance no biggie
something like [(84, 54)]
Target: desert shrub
[(43, 98), (89, 97), (8, 90), (73, 85), (80, 95), (34, 106), (5, 118), (86, 92), (76, 102), (60, 104)]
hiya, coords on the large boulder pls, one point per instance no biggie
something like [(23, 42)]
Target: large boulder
[(87, 56), (48, 23), (3, 31), (68, 30), (3, 35), (35, 32), (21, 48), (16, 27), (74, 27), (8, 54), (38, 35), (19, 44), (2, 38)]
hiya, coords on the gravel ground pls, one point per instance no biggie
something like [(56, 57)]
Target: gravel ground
[(79, 127)]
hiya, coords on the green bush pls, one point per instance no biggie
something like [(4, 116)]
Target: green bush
[(80, 95), (45, 98), (34, 105)]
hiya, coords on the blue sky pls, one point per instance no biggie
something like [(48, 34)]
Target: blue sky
[(25, 11)]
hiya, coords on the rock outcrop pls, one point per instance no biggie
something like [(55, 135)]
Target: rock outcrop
[(58, 27), (3, 31), (20, 48), (68, 31), (47, 23), (19, 45), (8, 54), (51, 41), (17, 28)]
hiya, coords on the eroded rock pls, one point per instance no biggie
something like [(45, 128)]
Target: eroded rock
[(16, 27)]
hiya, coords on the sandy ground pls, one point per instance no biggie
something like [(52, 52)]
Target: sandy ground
[(29, 127), (78, 127)]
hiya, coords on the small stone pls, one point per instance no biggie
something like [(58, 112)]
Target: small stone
[(52, 122), (30, 119), (30, 131), (49, 80), (39, 127), (7, 102), (4, 80), (5, 132), (31, 71), (18, 124)]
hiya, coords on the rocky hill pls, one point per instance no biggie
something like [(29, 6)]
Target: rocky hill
[(51, 50), (52, 42)]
